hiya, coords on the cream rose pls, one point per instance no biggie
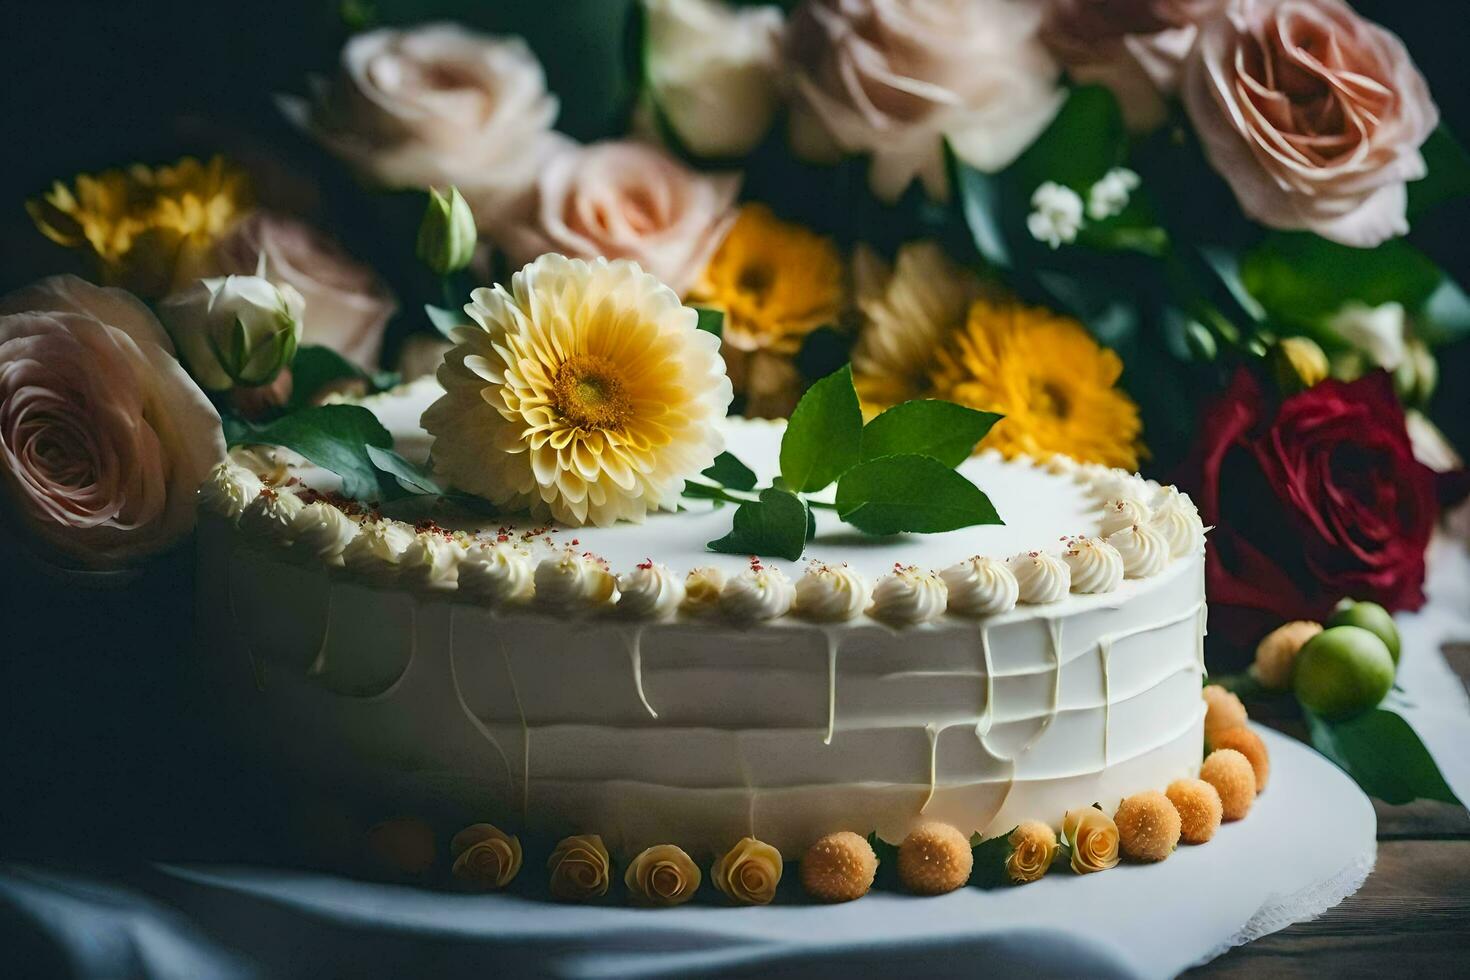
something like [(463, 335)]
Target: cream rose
[(485, 856), (1033, 848), (714, 72), (234, 330), (662, 875), (104, 439), (748, 873), (625, 200), (580, 868), (897, 78), (436, 105), (1093, 838), (346, 307), (1312, 114)]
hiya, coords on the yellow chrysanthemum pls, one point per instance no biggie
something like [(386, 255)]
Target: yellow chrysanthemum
[(586, 393), (776, 282), (149, 229), (1045, 373)]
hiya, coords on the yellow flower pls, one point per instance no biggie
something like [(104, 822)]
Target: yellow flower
[(1093, 838), (1050, 379), (907, 312), (775, 282), (662, 875), (580, 868), (748, 873), (585, 393), (150, 230), (1033, 848), (485, 856)]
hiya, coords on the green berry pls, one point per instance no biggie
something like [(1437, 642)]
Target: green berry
[(1371, 617), (1342, 671)]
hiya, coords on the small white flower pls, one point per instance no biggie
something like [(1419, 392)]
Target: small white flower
[(1056, 214), (1109, 196), (234, 329), (1377, 331)]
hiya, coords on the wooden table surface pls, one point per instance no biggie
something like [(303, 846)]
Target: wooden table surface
[(1410, 919)]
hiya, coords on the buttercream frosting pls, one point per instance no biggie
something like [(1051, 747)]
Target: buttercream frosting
[(575, 581), (830, 593), (375, 551), (757, 594), (981, 586), (497, 573), (910, 595), (431, 561), (650, 591), (1177, 519), (229, 489), (1144, 548), (270, 514), (702, 588), (1095, 565), (323, 532), (1041, 576), (1120, 512)]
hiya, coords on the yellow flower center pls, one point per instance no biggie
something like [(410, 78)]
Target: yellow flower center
[(589, 393)]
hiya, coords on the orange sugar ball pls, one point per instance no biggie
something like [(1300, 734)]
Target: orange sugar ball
[(1200, 811), (1248, 744), (1148, 826), (839, 868), (1233, 778), (933, 859), (1222, 710)]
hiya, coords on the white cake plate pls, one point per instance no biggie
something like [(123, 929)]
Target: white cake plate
[(1308, 843)]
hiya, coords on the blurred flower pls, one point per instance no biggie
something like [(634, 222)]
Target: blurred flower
[(1109, 196), (1056, 214), (776, 282), (435, 105), (907, 310), (1430, 445), (1312, 114), (104, 439), (1375, 331), (1417, 374), (149, 229), (346, 306), (713, 72), (1298, 363), (1051, 380), (447, 238), (234, 330), (898, 80)]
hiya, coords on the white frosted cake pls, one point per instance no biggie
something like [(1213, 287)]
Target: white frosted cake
[(629, 682)]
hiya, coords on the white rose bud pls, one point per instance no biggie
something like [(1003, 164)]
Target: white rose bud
[(713, 72), (234, 330), (447, 234)]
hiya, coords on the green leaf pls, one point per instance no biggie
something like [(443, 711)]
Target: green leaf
[(334, 437), (894, 494), (774, 526), (710, 321), (1085, 140), (981, 196), (1446, 315), (409, 475), (990, 858), (823, 351), (1383, 755), (316, 367), (729, 472), (1301, 279), (445, 319), (929, 427), (824, 437), (1448, 176), (887, 855)]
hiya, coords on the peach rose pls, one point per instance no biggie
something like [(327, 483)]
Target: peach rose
[(1312, 114), (104, 438), (485, 857), (748, 873), (897, 78), (1093, 838), (435, 105), (625, 200), (580, 868), (662, 875), (346, 305)]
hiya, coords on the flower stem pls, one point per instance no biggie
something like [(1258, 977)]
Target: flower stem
[(708, 491)]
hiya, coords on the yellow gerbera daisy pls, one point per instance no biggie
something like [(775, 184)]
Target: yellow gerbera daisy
[(586, 393), (1055, 385), (776, 282), (149, 229)]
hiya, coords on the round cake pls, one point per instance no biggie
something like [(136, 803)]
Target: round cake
[(629, 682)]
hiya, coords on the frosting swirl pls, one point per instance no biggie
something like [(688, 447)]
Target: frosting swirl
[(1120, 512), (1177, 519), (1041, 576), (830, 593), (375, 552), (570, 580), (497, 573), (264, 462), (430, 561), (1095, 565), (909, 595), (757, 594), (270, 514), (702, 588), (229, 490), (649, 591), (323, 531), (1144, 548), (980, 586)]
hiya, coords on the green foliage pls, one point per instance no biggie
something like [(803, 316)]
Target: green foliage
[(1448, 177), (990, 858), (929, 427), (908, 492), (445, 319), (410, 476), (710, 321), (334, 437), (729, 472), (775, 525), (316, 367), (1085, 140), (1383, 755), (824, 437)]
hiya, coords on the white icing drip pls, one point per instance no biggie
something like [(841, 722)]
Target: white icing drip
[(1104, 651), (571, 581), (324, 532), (229, 489), (987, 713), (757, 594), (634, 639), (649, 591), (832, 643), (933, 732), (1041, 576), (375, 552), (497, 573), (431, 561), (1177, 519), (319, 662), (702, 588), (257, 666), (1145, 551), (981, 586), (1122, 512), (909, 596), (830, 593), (1096, 565), (270, 514)]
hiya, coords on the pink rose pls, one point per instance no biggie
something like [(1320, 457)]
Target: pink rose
[(1313, 115), (895, 79), (346, 308), (104, 439), (625, 200)]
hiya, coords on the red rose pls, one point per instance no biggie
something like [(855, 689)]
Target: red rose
[(1312, 500)]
